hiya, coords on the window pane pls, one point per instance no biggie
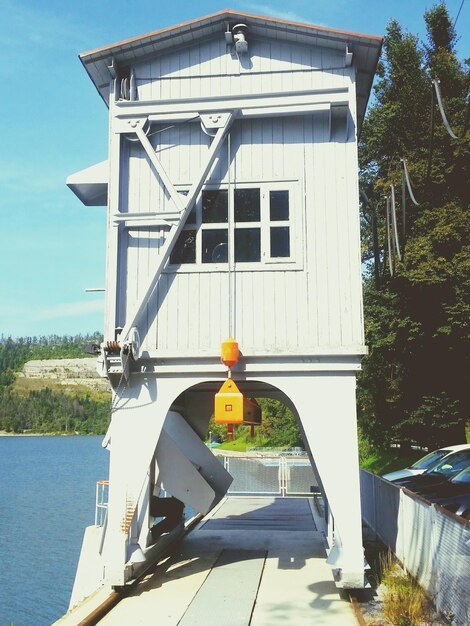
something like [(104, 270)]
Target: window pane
[(280, 245), (247, 203), (185, 248), (247, 244), (214, 246), (278, 205), (214, 207)]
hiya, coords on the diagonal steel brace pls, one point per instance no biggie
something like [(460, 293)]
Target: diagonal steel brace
[(185, 203)]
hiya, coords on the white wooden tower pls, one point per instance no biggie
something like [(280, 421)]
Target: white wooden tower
[(232, 195)]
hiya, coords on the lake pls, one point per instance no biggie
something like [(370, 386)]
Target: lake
[(47, 498)]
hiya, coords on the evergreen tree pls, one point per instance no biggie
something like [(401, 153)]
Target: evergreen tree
[(46, 411), (417, 321)]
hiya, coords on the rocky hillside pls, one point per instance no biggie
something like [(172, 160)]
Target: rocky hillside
[(67, 372)]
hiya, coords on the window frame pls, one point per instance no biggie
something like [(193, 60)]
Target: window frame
[(294, 222)]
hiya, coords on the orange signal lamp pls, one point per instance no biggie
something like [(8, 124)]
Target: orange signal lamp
[(231, 406), (229, 352)]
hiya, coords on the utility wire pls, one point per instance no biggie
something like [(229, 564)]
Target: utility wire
[(458, 14)]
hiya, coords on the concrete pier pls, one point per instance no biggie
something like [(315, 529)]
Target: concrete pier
[(252, 561)]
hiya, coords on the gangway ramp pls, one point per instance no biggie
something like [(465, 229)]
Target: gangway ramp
[(252, 561)]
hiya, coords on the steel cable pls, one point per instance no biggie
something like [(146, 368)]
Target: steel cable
[(441, 109), (394, 222), (389, 243), (408, 182)]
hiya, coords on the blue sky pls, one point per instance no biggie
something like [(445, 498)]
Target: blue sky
[(53, 123)]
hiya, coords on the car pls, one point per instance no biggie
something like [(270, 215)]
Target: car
[(425, 463), (453, 494), (447, 467)]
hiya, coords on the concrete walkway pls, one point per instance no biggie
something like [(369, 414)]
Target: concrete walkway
[(254, 561)]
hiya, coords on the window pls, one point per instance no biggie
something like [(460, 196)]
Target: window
[(256, 221)]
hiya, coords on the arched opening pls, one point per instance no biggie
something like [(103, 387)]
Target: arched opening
[(285, 468), (173, 426)]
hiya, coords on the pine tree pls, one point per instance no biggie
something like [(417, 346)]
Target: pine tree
[(417, 321)]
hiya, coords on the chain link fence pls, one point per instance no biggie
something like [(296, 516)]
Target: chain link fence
[(431, 543)]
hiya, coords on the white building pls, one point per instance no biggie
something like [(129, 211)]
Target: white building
[(232, 195)]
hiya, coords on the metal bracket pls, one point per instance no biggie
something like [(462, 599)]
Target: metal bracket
[(211, 121), (112, 68), (128, 125)]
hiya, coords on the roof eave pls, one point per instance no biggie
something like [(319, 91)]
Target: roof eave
[(96, 61)]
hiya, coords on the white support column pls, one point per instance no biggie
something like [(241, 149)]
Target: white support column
[(134, 432), (327, 408), (112, 243), (136, 425)]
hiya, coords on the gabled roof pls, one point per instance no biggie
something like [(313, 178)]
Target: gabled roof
[(365, 48)]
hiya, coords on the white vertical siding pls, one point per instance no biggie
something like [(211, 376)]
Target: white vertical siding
[(274, 66), (317, 304)]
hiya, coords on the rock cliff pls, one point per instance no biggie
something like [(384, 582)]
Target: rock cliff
[(67, 372)]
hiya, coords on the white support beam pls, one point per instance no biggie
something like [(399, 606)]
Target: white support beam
[(147, 146), (172, 236), (271, 104), (148, 219)]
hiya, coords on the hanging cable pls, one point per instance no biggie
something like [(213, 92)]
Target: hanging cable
[(394, 222), (408, 182), (403, 205), (441, 109), (375, 238), (467, 116), (431, 138), (230, 243), (458, 14), (389, 243)]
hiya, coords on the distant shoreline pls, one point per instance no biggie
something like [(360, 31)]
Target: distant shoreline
[(4, 433)]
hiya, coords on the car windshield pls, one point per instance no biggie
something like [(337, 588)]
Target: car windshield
[(453, 463), (463, 476), (429, 460)]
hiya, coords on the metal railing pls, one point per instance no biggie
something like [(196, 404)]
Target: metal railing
[(432, 544), (270, 475), (296, 451), (101, 503), (252, 475)]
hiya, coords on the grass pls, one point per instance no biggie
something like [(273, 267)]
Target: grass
[(378, 462), (238, 445), (405, 602), (382, 462)]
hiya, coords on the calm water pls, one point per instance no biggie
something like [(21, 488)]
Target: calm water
[(47, 497)]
